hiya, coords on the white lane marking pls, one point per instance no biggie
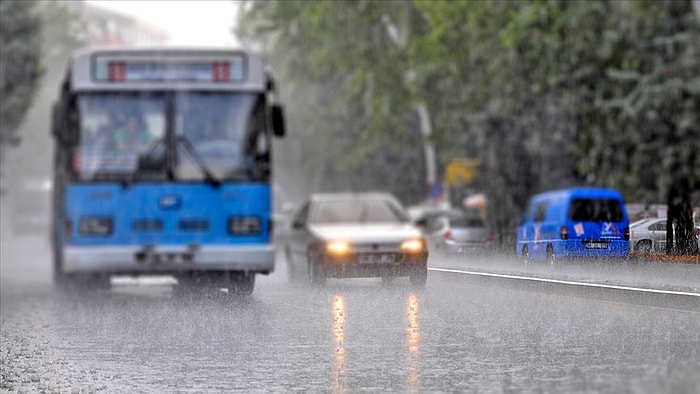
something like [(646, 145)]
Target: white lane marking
[(639, 289)]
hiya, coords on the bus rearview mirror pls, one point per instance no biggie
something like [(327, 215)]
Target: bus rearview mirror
[(277, 117), (60, 125)]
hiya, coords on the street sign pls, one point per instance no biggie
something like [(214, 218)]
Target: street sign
[(461, 171)]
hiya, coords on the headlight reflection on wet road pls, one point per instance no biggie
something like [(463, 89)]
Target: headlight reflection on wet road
[(413, 342), (338, 374), (413, 337)]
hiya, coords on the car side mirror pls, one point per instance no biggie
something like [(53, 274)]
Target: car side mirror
[(277, 118)]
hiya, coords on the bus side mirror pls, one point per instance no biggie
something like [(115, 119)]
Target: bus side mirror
[(277, 116), (60, 125), (57, 123)]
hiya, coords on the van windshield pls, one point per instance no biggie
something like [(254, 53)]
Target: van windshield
[(595, 210)]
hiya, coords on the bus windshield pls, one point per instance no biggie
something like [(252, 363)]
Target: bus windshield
[(222, 131), (115, 128), (225, 131)]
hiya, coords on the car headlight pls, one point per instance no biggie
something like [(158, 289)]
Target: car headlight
[(244, 225), (98, 226), (338, 247), (412, 245)]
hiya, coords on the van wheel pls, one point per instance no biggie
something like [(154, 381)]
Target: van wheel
[(526, 254), (643, 246), (551, 256)]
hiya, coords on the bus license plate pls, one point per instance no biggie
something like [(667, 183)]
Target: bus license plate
[(164, 258), (376, 259)]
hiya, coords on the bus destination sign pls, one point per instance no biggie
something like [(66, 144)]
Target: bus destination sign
[(119, 70)]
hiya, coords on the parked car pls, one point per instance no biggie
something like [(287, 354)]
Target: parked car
[(354, 235), (649, 235), (459, 231)]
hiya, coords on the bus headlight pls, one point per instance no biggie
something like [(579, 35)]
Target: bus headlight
[(97, 226), (244, 225), (412, 245), (338, 247)]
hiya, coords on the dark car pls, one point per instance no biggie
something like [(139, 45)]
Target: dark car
[(354, 235)]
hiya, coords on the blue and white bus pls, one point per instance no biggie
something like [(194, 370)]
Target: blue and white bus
[(163, 166)]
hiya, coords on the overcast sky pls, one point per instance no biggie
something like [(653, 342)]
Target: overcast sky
[(204, 22)]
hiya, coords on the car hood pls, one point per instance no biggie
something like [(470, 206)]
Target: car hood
[(365, 233)]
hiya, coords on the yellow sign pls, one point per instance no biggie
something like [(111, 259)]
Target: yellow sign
[(461, 171)]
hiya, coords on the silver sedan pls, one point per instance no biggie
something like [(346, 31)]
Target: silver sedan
[(354, 235), (649, 235)]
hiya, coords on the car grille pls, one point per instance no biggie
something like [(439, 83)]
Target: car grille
[(377, 248)]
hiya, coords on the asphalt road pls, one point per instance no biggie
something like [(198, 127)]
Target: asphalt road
[(351, 336)]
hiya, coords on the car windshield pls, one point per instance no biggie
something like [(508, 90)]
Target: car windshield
[(466, 222), (357, 211)]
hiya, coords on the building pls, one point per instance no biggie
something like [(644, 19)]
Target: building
[(106, 28)]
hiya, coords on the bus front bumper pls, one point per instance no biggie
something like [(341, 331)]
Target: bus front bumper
[(162, 259)]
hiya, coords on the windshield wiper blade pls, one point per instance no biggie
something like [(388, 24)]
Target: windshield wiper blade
[(198, 159), (146, 161)]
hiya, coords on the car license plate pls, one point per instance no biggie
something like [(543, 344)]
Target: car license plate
[(376, 259), (596, 245)]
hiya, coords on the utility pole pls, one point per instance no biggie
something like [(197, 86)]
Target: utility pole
[(400, 38)]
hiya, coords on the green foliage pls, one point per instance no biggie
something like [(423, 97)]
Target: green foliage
[(60, 34), (20, 64), (547, 93)]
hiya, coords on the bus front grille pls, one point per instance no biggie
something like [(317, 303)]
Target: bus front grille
[(147, 225), (193, 224)]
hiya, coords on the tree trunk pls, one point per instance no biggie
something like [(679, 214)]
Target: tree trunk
[(680, 218)]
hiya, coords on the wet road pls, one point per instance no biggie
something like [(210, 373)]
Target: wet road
[(350, 336)]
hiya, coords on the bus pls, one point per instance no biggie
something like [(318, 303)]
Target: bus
[(163, 167)]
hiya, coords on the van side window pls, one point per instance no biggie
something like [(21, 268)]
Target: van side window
[(541, 209), (595, 210)]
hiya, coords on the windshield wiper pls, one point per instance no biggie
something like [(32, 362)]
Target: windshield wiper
[(202, 166), (147, 161)]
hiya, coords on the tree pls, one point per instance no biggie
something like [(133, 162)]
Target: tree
[(647, 112), (20, 65), (545, 93), (61, 32), (361, 126)]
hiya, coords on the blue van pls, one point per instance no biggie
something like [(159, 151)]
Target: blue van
[(576, 222)]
